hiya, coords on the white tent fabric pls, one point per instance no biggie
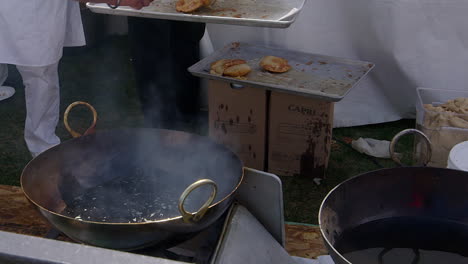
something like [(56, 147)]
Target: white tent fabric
[(412, 42)]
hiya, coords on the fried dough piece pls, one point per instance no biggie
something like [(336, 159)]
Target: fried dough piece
[(237, 70), (218, 67), (189, 6), (275, 64)]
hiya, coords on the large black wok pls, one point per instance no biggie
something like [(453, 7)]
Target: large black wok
[(414, 195), (130, 188)]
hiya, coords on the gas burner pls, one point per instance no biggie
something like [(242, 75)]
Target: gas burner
[(198, 250)]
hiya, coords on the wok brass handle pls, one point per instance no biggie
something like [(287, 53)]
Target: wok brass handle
[(90, 130), (397, 137), (195, 217)]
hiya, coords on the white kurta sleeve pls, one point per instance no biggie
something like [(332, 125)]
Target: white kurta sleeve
[(34, 32)]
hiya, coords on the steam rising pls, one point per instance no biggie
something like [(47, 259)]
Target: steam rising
[(138, 175), (142, 176)]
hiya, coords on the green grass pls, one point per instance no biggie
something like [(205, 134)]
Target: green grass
[(103, 77), (303, 197)]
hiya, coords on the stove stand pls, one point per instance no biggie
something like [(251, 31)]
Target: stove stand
[(251, 232)]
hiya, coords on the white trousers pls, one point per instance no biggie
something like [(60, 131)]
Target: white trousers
[(42, 94)]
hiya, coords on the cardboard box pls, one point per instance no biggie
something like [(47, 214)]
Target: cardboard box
[(300, 133), (237, 119)]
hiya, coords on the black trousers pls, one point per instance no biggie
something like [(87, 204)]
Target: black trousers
[(162, 50)]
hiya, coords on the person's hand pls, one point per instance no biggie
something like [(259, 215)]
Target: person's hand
[(137, 4)]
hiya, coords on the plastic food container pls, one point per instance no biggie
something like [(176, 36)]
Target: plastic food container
[(458, 157), (444, 128)]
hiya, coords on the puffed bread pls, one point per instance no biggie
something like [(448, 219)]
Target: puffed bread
[(189, 6), (237, 70), (217, 67), (275, 64), (230, 67)]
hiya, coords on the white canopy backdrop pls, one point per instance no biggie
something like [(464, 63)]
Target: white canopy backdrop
[(413, 43)]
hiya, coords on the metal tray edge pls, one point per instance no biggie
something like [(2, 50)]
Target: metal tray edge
[(307, 93), (272, 87), (194, 18)]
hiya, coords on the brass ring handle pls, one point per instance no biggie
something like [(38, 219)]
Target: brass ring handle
[(67, 126), (397, 137), (195, 217)]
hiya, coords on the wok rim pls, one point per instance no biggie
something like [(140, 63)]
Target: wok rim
[(324, 236), (165, 220)]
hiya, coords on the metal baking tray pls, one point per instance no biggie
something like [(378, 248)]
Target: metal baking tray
[(319, 76), (255, 13)]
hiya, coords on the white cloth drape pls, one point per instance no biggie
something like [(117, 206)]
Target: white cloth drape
[(412, 42), (34, 32)]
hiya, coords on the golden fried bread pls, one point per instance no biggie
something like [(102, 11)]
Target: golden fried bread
[(217, 67), (189, 6), (275, 64), (233, 62), (220, 67), (237, 70)]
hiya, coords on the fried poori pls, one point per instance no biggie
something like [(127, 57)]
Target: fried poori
[(237, 70), (189, 6), (230, 67), (275, 64), (217, 67)]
